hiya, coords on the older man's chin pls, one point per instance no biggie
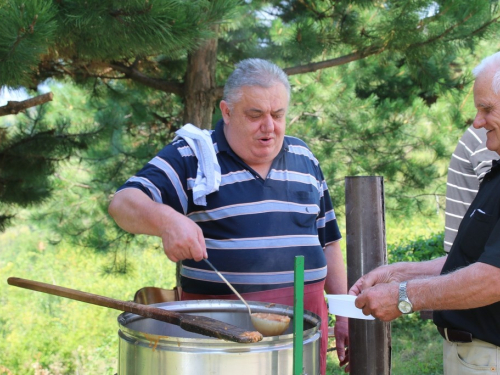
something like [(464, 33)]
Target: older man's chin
[(493, 146)]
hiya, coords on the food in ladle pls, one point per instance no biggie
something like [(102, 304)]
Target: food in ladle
[(270, 324), (267, 324)]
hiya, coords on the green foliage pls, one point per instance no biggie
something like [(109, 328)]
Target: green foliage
[(416, 348), (132, 28), (424, 248), (28, 29), (353, 136), (57, 335), (418, 345), (393, 103), (134, 126), (37, 35), (33, 145)]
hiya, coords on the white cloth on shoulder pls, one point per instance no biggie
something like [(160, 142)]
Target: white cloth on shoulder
[(208, 176)]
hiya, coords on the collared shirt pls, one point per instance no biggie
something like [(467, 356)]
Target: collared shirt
[(253, 226), (478, 240), (470, 161)]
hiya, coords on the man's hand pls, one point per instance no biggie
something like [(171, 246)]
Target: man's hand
[(380, 275), (380, 301), (341, 332), (183, 239), (378, 292)]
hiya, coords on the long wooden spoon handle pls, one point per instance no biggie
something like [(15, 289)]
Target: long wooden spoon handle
[(94, 299), (192, 323)]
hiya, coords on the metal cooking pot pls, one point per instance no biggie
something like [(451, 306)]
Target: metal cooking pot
[(151, 347)]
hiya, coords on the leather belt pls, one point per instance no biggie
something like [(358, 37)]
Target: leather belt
[(454, 335)]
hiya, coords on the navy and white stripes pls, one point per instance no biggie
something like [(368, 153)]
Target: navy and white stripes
[(253, 227)]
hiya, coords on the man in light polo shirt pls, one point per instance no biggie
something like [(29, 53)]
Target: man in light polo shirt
[(470, 161), (272, 204), (462, 288)]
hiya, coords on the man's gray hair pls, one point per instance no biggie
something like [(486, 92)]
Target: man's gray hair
[(487, 62), (253, 72)]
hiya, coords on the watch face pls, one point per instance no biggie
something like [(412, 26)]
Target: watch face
[(404, 307)]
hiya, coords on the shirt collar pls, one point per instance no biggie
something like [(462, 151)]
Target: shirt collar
[(220, 137)]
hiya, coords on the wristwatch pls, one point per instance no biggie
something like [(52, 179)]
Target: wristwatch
[(404, 304)]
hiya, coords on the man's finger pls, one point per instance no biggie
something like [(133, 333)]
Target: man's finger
[(340, 351)]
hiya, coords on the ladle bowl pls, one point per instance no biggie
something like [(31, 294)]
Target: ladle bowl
[(266, 323), (270, 324)]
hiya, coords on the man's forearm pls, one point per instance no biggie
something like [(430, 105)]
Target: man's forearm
[(336, 279), (463, 289), (136, 213), (414, 270)]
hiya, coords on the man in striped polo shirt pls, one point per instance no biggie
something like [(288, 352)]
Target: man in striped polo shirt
[(272, 204), (470, 161)]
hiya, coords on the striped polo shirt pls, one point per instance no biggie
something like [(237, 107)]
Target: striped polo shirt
[(253, 227), (470, 161)]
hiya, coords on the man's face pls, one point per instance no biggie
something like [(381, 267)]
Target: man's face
[(488, 109), (255, 126)]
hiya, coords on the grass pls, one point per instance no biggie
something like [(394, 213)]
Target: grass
[(416, 348), (43, 334)]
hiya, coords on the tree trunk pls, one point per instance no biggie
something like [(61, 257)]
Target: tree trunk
[(200, 93), (199, 86)]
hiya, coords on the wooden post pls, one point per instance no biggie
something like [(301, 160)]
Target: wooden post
[(369, 340)]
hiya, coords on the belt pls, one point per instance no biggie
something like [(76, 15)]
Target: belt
[(454, 335)]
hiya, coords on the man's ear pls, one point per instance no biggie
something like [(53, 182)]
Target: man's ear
[(224, 108)]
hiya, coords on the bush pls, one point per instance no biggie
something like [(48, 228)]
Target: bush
[(417, 250)]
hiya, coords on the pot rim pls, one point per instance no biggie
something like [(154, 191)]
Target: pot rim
[(204, 306)]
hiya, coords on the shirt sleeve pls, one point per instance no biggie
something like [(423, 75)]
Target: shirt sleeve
[(328, 230), (163, 179)]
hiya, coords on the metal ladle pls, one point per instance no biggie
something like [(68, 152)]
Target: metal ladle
[(266, 323)]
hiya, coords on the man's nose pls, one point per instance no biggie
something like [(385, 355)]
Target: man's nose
[(267, 124), (479, 121)]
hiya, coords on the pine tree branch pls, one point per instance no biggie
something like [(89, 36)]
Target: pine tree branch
[(452, 27), (319, 15), (443, 34), (373, 50), (484, 26), (118, 13), (21, 34), (155, 83), (334, 62), (218, 92), (14, 107)]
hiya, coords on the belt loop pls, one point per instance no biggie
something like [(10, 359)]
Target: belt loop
[(446, 334)]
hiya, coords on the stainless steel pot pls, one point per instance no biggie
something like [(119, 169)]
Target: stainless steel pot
[(151, 347)]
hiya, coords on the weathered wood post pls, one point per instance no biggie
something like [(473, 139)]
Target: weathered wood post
[(369, 340)]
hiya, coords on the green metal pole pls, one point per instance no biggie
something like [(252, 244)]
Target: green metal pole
[(298, 316)]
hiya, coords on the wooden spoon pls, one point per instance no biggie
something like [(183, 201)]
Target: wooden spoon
[(192, 323)]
